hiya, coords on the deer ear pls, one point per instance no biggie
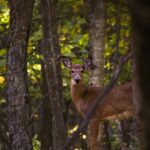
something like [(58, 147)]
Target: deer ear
[(87, 63), (67, 62)]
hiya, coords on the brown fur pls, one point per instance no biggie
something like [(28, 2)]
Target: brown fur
[(118, 101), (117, 104)]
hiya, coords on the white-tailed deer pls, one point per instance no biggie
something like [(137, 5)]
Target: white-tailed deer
[(117, 104)]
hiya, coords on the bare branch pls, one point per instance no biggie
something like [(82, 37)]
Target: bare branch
[(39, 105)]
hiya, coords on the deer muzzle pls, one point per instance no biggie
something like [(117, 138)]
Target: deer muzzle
[(77, 79)]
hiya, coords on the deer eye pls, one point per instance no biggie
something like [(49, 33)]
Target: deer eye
[(82, 71), (72, 71)]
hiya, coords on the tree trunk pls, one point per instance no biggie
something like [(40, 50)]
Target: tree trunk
[(17, 92), (137, 97), (140, 15), (46, 115), (120, 135), (107, 140), (51, 53), (96, 10)]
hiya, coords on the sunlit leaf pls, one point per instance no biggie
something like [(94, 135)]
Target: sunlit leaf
[(3, 52), (2, 80)]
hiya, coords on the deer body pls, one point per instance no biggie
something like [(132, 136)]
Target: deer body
[(116, 105)]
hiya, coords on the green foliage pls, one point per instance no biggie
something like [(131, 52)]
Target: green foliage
[(4, 17), (2, 101), (4, 25), (71, 28), (117, 42), (36, 27), (36, 143)]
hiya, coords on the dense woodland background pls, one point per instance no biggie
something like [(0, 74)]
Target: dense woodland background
[(35, 106)]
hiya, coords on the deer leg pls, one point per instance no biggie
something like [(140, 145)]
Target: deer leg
[(94, 134)]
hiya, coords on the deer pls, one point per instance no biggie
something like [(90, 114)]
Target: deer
[(117, 105)]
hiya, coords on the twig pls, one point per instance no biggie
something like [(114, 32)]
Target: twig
[(97, 103), (37, 108)]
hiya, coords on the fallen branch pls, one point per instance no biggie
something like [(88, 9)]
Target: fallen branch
[(98, 102)]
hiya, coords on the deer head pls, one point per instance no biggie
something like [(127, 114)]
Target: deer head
[(76, 70)]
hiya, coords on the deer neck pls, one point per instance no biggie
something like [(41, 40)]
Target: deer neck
[(77, 90)]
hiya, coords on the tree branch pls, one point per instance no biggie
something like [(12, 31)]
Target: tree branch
[(98, 102)]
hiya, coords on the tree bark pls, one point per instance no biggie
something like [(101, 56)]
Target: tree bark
[(17, 89), (96, 11), (107, 140), (140, 15), (46, 115), (51, 53), (137, 97)]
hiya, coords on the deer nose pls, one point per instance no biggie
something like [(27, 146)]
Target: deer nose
[(77, 79)]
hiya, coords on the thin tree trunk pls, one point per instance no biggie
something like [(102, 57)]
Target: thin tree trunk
[(120, 124), (17, 92), (51, 52), (96, 11), (107, 145), (137, 97), (46, 115), (121, 135)]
